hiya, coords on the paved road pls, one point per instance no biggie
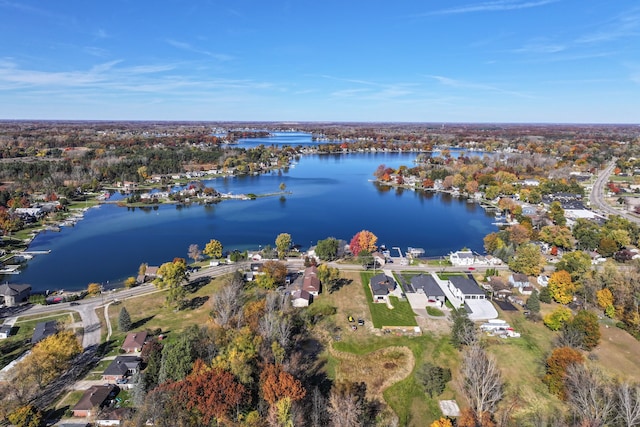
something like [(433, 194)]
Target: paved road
[(597, 198)]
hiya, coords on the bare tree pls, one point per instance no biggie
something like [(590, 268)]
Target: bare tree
[(319, 415), (194, 252), (285, 330), (347, 404), (269, 325), (589, 395), (481, 380), (227, 303), (628, 404)]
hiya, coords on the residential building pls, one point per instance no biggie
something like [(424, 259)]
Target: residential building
[(462, 258), (381, 286), (426, 284), (134, 341), (93, 399), (121, 367), (43, 330), (13, 294), (311, 283), (301, 298)]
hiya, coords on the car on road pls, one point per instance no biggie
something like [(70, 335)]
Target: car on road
[(74, 303)]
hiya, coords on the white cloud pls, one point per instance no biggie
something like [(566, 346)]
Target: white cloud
[(189, 48), (493, 6)]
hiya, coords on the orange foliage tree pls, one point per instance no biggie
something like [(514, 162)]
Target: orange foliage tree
[(561, 358), (363, 241), (277, 384)]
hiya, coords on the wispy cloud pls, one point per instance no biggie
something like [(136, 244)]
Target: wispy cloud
[(492, 6), (623, 25), (190, 48), (461, 84), (541, 47)]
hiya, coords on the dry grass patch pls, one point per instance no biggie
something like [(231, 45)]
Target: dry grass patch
[(378, 369), (618, 353)]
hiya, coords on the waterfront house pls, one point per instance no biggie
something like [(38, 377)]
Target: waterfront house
[(462, 258), (134, 341), (94, 398), (381, 286), (43, 330), (379, 259), (121, 367), (12, 295)]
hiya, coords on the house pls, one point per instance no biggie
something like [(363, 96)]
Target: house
[(301, 298), (13, 294), (114, 417), (426, 284), (5, 331), (310, 282), (462, 258), (543, 280), (381, 286), (134, 341), (466, 288), (527, 290), (94, 398), (519, 281), (43, 330), (379, 258), (121, 367)]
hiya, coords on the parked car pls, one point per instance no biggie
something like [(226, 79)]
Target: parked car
[(74, 303), (361, 322)]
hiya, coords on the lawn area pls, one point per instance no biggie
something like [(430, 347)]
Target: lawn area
[(383, 316), (435, 312), (148, 312)]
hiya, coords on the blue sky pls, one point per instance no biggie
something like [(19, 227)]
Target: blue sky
[(558, 61)]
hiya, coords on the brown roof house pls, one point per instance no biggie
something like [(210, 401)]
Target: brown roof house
[(311, 283), (13, 294), (134, 341), (93, 399), (301, 298)]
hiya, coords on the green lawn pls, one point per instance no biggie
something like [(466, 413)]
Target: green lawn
[(381, 315), (436, 312)]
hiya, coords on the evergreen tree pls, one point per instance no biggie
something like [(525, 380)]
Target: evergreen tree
[(545, 295), (463, 331), (433, 378), (533, 303), (124, 320)]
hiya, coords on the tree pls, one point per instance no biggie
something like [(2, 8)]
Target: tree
[(519, 234), (561, 287), (363, 241), (213, 249), (283, 243), (533, 302), (365, 259), (605, 300), (227, 303), (328, 276), (130, 282), (441, 422), (195, 253), (26, 416), (556, 213), (124, 320), (276, 384), (527, 260), (274, 275), (589, 395), (170, 276), (586, 323), (556, 235), (327, 249), (433, 378), (627, 403), (557, 364), (463, 331), (545, 295), (94, 289), (347, 403), (557, 318), (577, 263), (481, 380)]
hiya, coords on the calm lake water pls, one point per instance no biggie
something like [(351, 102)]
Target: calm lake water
[(331, 195)]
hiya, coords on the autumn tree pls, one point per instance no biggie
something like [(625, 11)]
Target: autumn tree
[(561, 287), (527, 260), (363, 241), (26, 416), (557, 318), (585, 323), (328, 276), (194, 252), (557, 364), (124, 320), (519, 234), (556, 235), (481, 380), (130, 282), (94, 289), (441, 422), (556, 213), (283, 243), (276, 384), (213, 249), (273, 275), (577, 263), (605, 301)]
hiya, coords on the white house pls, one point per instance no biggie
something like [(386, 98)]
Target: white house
[(462, 258), (301, 298)]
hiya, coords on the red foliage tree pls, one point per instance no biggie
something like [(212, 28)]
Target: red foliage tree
[(363, 241)]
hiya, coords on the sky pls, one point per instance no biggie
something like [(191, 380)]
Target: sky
[(509, 61)]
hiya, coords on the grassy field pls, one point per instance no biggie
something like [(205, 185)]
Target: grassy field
[(381, 315)]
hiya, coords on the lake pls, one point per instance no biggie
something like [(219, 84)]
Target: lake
[(331, 195)]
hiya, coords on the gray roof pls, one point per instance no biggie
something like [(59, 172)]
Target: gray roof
[(466, 285), (381, 284), (95, 396), (464, 254), (10, 289), (122, 364), (428, 284), (43, 330)]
